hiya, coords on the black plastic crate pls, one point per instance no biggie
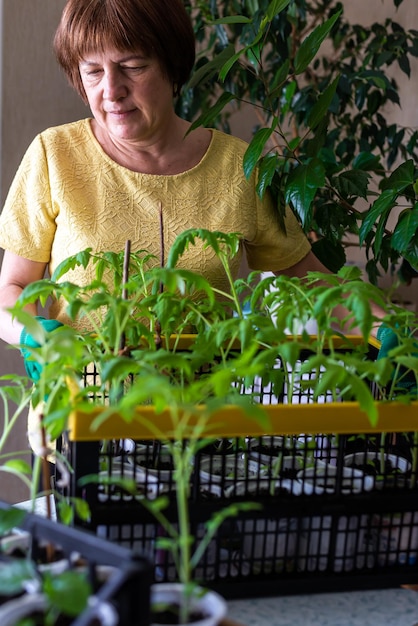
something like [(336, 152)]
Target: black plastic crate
[(127, 588), (322, 521)]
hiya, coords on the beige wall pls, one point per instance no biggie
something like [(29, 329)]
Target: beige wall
[(34, 95)]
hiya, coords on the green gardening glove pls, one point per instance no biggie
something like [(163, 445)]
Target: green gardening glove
[(34, 368), (389, 340)]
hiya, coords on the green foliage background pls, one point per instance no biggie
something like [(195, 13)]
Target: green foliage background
[(318, 85)]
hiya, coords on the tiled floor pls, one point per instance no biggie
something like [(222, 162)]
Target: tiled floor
[(387, 607)]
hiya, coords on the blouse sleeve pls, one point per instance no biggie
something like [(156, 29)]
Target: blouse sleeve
[(27, 222)]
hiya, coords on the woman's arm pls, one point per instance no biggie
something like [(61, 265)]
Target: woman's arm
[(16, 273), (310, 263)]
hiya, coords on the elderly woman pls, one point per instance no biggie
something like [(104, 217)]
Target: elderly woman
[(132, 167)]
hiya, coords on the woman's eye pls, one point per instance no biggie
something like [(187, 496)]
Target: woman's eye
[(133, 68)]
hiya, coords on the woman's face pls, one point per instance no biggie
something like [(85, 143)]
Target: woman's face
[(129, 96)]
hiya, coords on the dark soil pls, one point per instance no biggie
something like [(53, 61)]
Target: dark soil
[(272, 450), (156, 464), (223, 446), (373, 468), (171, 616)]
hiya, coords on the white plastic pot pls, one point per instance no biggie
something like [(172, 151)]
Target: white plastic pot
[(398, 463), (147, 484), (275, 457), (227, 475), (16, 610), (212, 605)]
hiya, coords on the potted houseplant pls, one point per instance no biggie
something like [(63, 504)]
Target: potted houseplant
[(317, 85), (137, 320)]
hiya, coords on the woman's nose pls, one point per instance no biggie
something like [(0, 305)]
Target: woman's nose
[(114, 87)]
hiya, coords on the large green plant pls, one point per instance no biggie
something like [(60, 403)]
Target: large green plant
[(135, 317), (319, 86)]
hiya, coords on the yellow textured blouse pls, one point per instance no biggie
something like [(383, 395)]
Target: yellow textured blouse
[(69, 195)]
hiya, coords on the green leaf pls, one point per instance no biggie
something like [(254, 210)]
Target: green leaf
[(353, 183), (274, 8), (266, 171), (320, 108), (301, 187), (82, 509), (66, 512), (82, 258), (219, 242), (9, 519), (19, 466), (226, 68), (380, 208), (366, 161), (231, 19), (38, 290), (211, 69), (327, 300), (280, 77), (310, 46), (405, 229), (290, 352), (331, 254), (209, 116), (402, 177), (256, 147), (13, 575), (286, 98), (68, 592), (376, 78)]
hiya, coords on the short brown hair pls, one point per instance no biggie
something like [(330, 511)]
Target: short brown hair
[(159, 28)]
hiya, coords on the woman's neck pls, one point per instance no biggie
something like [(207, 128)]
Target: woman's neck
[(168, 154)]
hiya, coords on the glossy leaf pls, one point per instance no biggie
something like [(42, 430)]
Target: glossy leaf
[(353, 183), (331, 254), (280, 76), (302, 185), (405, 229), (380, 208), (275, 7), (266, 171), (256, 148), (366, 161), (227, 66), (209, 116), (403, 176), (320, 108), (232, 19), (211, 69), (310, 46)]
